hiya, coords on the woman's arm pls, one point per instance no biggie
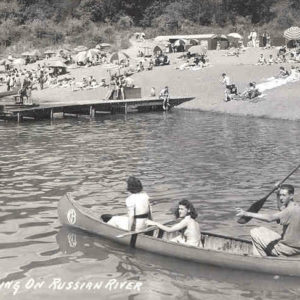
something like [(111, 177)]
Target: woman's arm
[(175, 227), (130, 222)]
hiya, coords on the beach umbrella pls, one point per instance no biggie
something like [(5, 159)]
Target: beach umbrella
[(27, 53), (193, 42), (62, 50), (292, 33), (35, 53), (82, 57), (19, 62), (235, 35), (221, 37), (56, 64), (81, 48), (91, 53), (198, 49), (50, 52), (105, 45), (180, 42), (118, 56), (3, 62)]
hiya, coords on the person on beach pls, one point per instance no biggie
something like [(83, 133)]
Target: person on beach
[(165, 95), (271, 60), (267, 242), (25, 90), (261, 60), (230, 89), (225, 80), (138, 206), (251, 92), (189, 227), (152, 92), (283, 73)]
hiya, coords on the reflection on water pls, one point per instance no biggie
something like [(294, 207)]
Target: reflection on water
[(218, 162)]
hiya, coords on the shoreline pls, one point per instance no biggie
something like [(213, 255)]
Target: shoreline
[(277, 103)]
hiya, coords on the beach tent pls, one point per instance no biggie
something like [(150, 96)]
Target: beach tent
[(206, 40), (118, 56), (222, 39), (292, 33), (198, 49)]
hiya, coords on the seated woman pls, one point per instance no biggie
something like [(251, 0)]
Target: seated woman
[(189, 227), (261, 60), (138, 206)]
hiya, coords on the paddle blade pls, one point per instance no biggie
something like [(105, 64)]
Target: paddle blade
[(255, 207), (106, 217)]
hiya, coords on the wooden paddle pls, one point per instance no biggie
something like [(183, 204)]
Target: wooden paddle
[(143, 230), (256, 206)]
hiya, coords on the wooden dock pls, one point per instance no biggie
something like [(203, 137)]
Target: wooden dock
[(11, 111)]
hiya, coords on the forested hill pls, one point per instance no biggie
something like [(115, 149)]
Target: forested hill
[(72, 21)]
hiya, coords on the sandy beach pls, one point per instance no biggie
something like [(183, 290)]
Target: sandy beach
[(205, 84)]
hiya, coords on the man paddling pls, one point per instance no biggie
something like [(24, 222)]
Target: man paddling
[(269, 243)]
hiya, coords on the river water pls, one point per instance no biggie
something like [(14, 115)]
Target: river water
[(219, 162)]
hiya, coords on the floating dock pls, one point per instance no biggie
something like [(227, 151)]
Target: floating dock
[(11, 111)]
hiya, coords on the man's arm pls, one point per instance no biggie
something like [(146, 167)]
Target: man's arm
[(262, 217)]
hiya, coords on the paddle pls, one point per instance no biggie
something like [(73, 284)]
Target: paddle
[(106, 217), (142, 231), (256, 206)]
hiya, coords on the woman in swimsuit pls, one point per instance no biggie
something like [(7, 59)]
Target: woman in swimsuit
[(190, 229), (138, 207)]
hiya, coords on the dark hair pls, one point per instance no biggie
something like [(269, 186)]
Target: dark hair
[(288, 187), (134, 185), (189, 206)]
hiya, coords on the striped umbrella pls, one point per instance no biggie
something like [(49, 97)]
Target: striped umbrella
[(293, 33), (198, 49)]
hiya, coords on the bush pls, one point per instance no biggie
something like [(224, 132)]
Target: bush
[(125, 22)]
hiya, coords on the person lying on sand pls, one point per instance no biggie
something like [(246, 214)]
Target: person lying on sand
[(283, 73), (251, 92)]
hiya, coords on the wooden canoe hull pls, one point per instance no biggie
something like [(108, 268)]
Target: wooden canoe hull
[(221, 251)]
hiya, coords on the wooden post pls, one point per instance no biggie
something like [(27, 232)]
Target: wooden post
[(51, 114), (125, 108), (92, 112), (18, 117)]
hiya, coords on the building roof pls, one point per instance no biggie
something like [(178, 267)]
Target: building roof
[(187, 36)]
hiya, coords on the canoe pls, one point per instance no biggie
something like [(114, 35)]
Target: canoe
[(220, 251), (76, 242)]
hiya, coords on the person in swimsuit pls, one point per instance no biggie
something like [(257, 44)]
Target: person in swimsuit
[(189, 227), (138, 206)]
